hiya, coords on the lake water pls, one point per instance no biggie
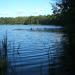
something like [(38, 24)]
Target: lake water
[(34, 49)]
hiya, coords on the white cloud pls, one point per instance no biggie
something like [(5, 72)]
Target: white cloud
[(24, 12), (21, 11), (38, 11), (4, 13), (31, 12), (41, 11)]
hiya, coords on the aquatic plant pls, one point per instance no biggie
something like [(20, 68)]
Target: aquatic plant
[(3, 55), (4, 47)]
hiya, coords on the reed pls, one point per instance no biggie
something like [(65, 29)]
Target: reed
[(4, 45), (3, 55)]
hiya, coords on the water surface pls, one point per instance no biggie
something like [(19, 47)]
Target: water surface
[(32, 52)]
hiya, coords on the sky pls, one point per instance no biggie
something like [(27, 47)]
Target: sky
[(15, 8)]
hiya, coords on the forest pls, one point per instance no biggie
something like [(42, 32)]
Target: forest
[(41, 19)]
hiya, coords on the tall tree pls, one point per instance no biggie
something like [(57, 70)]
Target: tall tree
[(67, 9)]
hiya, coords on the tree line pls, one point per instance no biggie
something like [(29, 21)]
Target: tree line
[(41, 19)]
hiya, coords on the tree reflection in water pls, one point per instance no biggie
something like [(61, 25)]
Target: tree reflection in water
[(66, 59)]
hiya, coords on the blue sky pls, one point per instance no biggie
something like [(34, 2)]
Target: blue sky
[(14, 8)]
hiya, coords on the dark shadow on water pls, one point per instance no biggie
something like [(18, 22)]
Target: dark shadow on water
[(66, 60), (69, 53)]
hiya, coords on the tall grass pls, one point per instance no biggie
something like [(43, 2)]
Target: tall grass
[(4, 64), (3, 55)]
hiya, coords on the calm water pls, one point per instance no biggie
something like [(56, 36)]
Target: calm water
[(34, 50)]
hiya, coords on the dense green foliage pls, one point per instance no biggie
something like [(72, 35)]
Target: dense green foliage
[(49, 19), (67, 9)]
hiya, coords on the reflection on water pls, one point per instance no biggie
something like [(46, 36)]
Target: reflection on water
[(68, 59), (36, 53)]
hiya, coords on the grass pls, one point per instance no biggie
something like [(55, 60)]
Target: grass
[(4, 45), (3, 55), (3, 67)]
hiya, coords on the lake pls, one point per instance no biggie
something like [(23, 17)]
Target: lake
[(34, 49)]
